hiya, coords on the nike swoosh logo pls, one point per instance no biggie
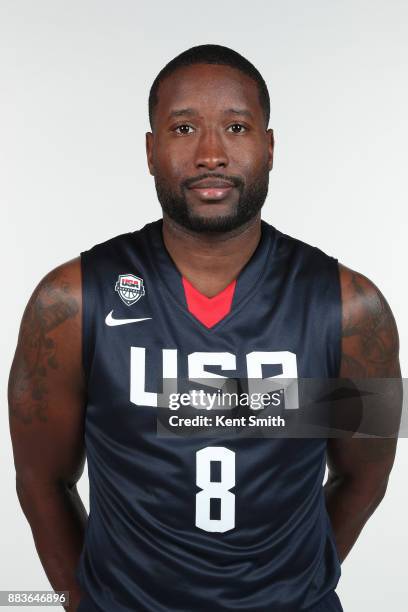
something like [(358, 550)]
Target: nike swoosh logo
[(111, 321)]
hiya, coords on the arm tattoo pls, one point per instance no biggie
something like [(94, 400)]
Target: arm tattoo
[(51, 304), (370, 338), (370, 348)]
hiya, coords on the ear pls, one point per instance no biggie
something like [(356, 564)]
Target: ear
[(149, 151), (271, 147)]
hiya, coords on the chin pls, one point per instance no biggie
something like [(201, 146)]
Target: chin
[(216, 223)]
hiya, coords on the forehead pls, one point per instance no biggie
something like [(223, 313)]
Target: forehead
[(208, 88)]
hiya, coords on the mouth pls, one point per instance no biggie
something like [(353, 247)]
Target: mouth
[(212, 189)]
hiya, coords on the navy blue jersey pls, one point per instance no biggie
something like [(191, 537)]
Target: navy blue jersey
[(153, 542)]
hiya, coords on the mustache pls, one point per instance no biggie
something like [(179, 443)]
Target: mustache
[(237, 181)]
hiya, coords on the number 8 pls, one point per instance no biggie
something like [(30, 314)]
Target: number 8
[(212, 489)]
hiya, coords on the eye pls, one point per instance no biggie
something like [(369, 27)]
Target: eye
[(182, 129), (241, 128)]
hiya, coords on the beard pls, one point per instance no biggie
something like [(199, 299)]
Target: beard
[(251, 199)]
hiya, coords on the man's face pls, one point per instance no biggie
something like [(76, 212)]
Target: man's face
[(209, 126)]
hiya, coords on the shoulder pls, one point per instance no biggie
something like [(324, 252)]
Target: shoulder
[(111, 243), (292, 245), (61, 286), (114, 245), (370, 343), (307, 263)]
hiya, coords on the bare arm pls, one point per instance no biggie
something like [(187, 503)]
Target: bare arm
[(46, 401), (359, 467)]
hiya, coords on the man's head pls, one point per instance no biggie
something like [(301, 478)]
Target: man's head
[(209, 113)]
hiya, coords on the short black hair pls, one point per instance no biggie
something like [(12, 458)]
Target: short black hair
[(211, 54)]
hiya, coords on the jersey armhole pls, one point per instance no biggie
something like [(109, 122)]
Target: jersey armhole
[(338, 322), (87, 308)]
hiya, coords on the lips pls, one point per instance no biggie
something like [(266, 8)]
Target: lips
[(211, 184), (212, 189)]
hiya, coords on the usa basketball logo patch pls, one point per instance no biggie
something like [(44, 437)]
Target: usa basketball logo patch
[(130, 288)]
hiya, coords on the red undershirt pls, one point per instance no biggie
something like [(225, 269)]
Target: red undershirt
[(208, 310)]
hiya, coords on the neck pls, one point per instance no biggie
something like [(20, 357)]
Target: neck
[(211, 261)]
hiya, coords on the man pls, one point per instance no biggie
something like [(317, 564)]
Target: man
[(187, 523)]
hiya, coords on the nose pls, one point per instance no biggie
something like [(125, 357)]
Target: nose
[(210, 152)]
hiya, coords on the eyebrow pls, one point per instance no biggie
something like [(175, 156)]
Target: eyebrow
[(239, 111), (191, 111), (182, 111)]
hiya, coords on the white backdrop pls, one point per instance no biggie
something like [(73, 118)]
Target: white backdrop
[(74, 82)]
